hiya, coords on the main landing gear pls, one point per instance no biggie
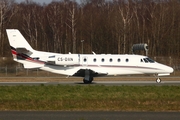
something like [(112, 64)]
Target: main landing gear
[(87, 75), (88, 78), (88, 81)]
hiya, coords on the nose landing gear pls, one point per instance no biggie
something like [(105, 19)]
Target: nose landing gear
[(158, 80)]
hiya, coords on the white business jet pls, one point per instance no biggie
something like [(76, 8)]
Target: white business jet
[(87, 66)]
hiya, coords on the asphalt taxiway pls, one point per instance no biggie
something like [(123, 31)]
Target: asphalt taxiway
[(87, 115), (106, 83)]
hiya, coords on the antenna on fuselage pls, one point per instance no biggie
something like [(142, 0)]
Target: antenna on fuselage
[(140, 46), (93, 52)]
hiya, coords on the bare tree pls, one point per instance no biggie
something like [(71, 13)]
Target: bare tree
[(106, 26), (72, 25), (7, 10), (29, 26), (126, 14), (54, 17)]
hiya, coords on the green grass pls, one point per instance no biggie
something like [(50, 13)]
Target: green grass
[(114, 98)]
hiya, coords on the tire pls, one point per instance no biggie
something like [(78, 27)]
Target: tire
[(86, 81), (158, 80)]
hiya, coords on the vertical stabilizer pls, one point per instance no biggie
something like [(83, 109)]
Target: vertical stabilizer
[(16, 40), (21, 50), (18, 43)]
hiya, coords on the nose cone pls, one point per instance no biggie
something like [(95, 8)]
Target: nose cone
[(170, 69), (166, 69)]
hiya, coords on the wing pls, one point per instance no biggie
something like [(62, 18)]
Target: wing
[(82, 72)]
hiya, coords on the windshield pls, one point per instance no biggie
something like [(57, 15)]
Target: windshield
[(148, 60)]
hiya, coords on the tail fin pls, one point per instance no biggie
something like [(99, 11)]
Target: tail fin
[(18, 43), (21, 50), (17, 40)]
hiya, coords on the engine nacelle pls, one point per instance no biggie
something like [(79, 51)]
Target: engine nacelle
[(64, 59)]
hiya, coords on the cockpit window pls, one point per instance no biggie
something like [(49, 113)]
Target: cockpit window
[(148, 60)]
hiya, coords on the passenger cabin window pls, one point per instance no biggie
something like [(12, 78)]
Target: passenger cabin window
[(94, 59), (127, 60), (118, 59), (110, 60), (85, 59), (102, 59)]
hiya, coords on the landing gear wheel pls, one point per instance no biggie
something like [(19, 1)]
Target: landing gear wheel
[(158, 80), (88, 81)]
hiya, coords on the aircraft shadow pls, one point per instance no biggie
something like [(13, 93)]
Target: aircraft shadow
[(81, 83)]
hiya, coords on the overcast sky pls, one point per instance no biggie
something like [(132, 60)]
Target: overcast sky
[(41, 1)]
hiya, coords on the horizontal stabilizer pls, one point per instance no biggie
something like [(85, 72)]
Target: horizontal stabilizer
[(32, 65), (23, 50)]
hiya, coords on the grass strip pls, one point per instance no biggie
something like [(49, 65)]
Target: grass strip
[(90, 97)]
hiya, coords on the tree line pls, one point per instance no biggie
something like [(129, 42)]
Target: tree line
[(107, 27)]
